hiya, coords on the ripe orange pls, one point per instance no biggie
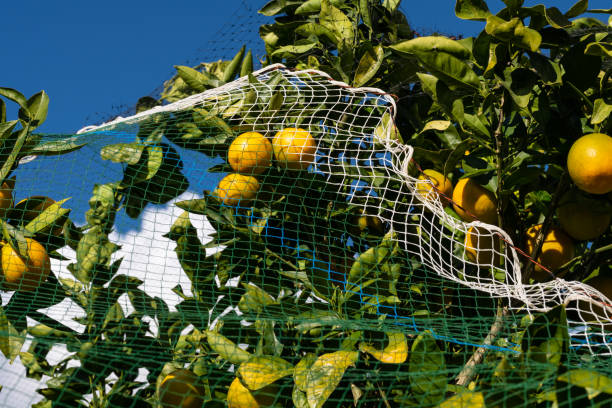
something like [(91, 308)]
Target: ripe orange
[(470, 200), (589, 163), (250, 153), (294, 148), (181, 389), (6, 198), (557, 250), (441, 183), (25, 274), (239, 396), (237, 189), (582, 218), (482, 247)]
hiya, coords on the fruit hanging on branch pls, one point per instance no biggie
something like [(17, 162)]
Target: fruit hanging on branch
[(25, 273), (181, 389), (589, 163), (474, 202), (250, 154), (237, 189), (294, 148), (438, 186), (557, 250)]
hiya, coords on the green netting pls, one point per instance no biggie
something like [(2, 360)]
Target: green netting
[(325, 274)]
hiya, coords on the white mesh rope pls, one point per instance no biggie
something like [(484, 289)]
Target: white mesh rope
[(418, 221)]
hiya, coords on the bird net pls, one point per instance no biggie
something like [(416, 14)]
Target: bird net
[(272, 242)]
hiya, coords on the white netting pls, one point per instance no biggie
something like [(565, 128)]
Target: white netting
[(378, 167)]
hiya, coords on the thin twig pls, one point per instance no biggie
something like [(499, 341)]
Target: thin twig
[(469, 370), (500, 160)]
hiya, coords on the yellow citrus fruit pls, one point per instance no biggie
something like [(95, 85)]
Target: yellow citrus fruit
[(483, 247), (181, 389), (239, 396), (582, 218), (557, 250), (27, 273), (6, 198), (470, 200), (441, 183), (589, 163), (250, 153), (294, 148), (237, 189)]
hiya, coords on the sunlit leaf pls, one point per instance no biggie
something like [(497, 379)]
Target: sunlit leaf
[(325, 375), (260, 371), (396, 352)]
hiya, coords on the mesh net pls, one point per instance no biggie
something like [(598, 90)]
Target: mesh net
[(271, 242)]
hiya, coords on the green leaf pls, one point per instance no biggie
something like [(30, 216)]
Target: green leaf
[(275, 7), (364, 10), (551, 15), (588, 379), (247, 64), (601, 111), (369, 261), (546, 340), (129, 153), (15, 96), (601, 49), (49, 217), (427, 367), (520, 82), (36, 112), (300, 47), (337, 22), (57, 147), (325, 374), (11, 340), (369, 65), (396, 352), (255, 299), (300, 374), (472, 10), (432, 44), (391, 5), (195, 79), (513, 31), (232, 69), (226, 348), (577, 9), (260, 371), (6, 129), (2, 111), (466, 399)]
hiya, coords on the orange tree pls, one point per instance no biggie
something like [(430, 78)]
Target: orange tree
[(500, 111)]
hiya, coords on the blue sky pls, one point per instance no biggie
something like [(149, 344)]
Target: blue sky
[(93, 58)]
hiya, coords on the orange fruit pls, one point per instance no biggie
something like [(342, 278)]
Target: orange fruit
[(250, 153), (181, 389), (472, 202), (589, 163), (6, 198), (582, 218), (442, 185), (239, 396), (25, 274), (483, 247), (294, 148), (236, 189), (557, 250)]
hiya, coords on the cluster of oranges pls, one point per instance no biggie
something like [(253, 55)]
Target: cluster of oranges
[(581, 218), (23, 272), (251, 153)]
